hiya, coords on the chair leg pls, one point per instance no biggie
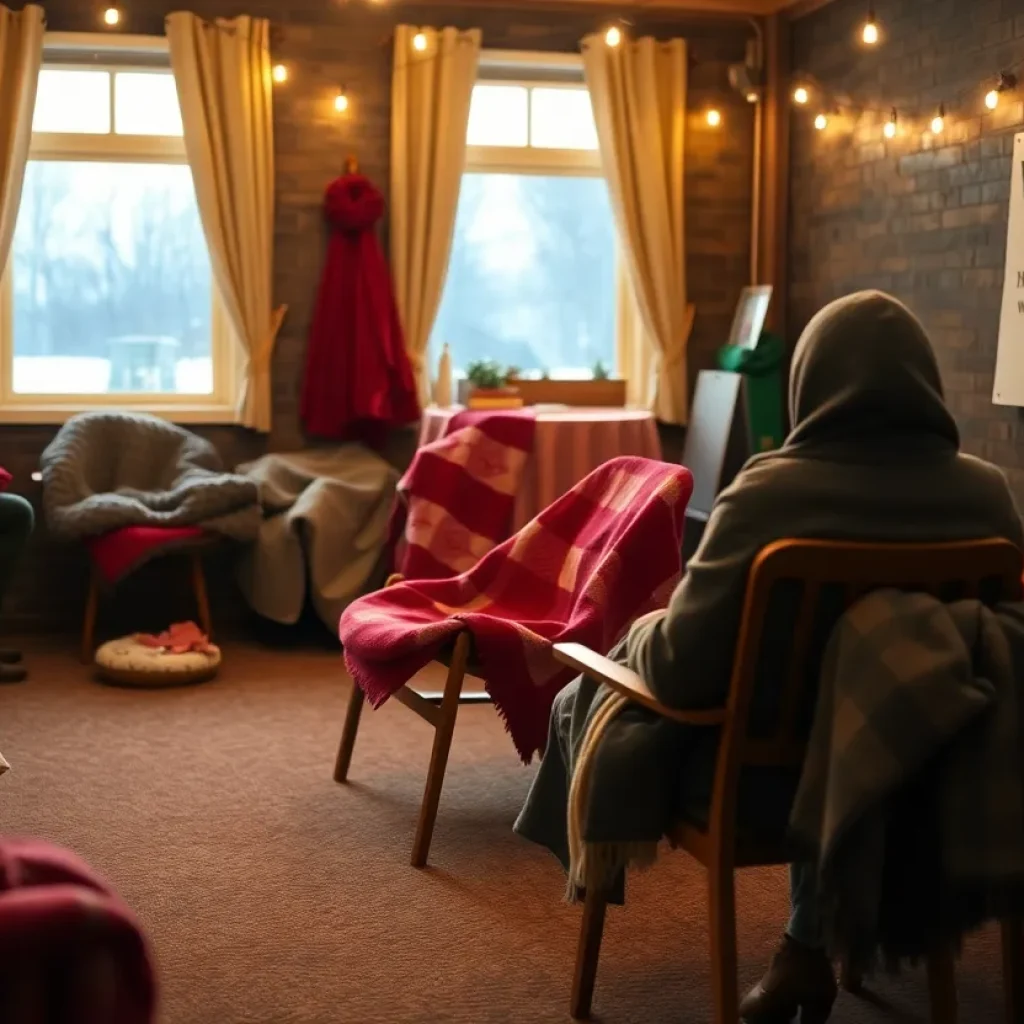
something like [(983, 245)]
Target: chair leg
[(1013, 969), (439, 754), (588, 952), (199, 589), (722, 928), (348, 734), (942, 987), (89, 622)]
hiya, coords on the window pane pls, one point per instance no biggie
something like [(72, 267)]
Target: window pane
[(562, 119), (146, 104), (499, 116), (112, 281), (73, 101), (531, 281)]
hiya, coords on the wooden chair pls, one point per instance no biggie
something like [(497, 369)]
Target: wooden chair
[(198, 580), (850, 570), (437, 709)]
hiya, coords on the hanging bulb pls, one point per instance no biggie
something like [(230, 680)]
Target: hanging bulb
[(1006, 83), (869, 33), (890, 126), (939, 121), (714, 117), (752, 97), (801, 95), (613, 37), (112, 16), (821, 122), (280, 73), (419, 41), (341, 101)]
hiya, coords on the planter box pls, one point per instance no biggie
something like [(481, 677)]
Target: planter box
[(494, 398), (599, 393)]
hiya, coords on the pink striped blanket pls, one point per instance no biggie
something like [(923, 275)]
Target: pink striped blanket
[(582, 571)]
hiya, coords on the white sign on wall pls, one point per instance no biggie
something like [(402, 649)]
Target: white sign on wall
[(1009, 381)]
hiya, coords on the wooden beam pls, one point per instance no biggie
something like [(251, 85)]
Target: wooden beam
[(773, 226), (801, 8), (722, 8)]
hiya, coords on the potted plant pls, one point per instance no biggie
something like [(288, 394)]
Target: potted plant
[(489, 387)]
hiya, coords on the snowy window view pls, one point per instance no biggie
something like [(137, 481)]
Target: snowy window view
[(531, 281), (110, 281)]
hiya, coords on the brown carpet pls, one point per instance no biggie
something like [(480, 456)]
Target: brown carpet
[(274, 896)]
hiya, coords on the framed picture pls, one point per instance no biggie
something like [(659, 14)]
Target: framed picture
[(751, 312)]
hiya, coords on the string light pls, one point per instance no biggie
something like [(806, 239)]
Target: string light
[(752, 97), (801, 95), (714, 117), (1007, 82), (939, 121), (419, 41), (280, 73), (613, 37), (821, 122), (341, 101), (112, 16), (890, 126), (869, 33)]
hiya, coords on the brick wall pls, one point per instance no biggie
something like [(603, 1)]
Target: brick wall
[(921, 217), (330, 43)]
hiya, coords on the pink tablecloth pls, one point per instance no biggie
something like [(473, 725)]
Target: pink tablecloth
[(569, 444)]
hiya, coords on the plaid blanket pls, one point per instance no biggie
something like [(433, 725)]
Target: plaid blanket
[(456, 500), (581, 571), (911, 793)]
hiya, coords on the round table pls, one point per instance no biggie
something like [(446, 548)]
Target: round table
[(569, 444)]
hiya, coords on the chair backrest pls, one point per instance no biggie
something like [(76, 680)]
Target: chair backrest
[(987, 569)]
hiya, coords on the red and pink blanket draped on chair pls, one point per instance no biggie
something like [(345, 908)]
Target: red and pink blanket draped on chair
[(456, 501), (582, 571)]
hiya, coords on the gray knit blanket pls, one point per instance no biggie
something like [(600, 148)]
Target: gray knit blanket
[(108, 470)]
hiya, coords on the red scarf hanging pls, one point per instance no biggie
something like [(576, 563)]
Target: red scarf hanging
[(359, 382)]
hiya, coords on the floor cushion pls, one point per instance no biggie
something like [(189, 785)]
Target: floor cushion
[(128, 661), (120, 552)]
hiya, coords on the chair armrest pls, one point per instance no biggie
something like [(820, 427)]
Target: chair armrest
[(628, 684)]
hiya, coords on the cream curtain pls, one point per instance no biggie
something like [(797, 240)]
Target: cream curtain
[(431, 92), (638, 91), (223, 74), (21, 56)]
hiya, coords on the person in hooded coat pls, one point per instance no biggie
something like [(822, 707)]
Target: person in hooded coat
[(873, 455)]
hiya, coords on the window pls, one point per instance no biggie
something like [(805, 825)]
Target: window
[(531, 281), (108, 298)]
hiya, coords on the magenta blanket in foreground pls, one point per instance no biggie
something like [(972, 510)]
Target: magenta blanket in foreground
[(581, 572)]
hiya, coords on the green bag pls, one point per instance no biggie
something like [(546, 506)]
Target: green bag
[(762, 368)]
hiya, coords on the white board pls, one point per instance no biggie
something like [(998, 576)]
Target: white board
[(1009, 379)]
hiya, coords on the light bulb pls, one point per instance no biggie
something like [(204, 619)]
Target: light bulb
[(111, 16), (419, 41), (801, 95), (939, 121), (821, 122), (992, 99), (870, 33), (341, 102), (714, 117), (890, 127), (280, 73), (613, 37), (752, 97)]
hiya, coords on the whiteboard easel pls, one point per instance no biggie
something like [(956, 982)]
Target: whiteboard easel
[(1008, 388)]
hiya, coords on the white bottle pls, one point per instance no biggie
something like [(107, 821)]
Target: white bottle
[(443, 384)]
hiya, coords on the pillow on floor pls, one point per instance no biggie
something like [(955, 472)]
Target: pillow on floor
[(130, 662)]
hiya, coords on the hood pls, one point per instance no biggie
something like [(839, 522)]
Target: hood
[(864, 368), (353, 203)]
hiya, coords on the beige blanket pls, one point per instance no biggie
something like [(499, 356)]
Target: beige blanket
[(325, 523)]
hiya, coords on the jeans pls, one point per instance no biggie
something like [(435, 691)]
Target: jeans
[(16, 522), (804, 921)]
